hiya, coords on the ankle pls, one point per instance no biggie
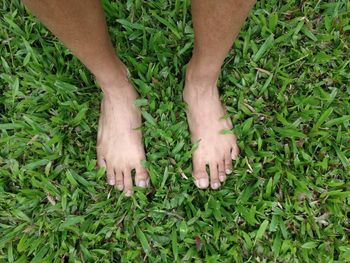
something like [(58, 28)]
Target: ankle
[(116, 75), (202, 74), (120, 94), (200, 80), (117, 85)]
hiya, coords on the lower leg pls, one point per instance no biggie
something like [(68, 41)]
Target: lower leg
[(216, 25), (81, 26)]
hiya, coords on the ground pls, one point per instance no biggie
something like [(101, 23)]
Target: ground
[(286, 87)]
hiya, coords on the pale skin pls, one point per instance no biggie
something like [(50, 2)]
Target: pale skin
[(81, 26)]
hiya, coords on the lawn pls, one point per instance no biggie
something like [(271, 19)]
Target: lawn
[(286, 85)]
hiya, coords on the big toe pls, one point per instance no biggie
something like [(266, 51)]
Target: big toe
[(201, 179)]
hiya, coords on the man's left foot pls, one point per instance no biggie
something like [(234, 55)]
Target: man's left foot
[(205, 116)]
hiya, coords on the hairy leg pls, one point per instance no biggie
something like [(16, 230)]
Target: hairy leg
[(81, 26), (216, 25)]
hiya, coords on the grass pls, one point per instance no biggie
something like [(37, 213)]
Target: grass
[(286, 87)]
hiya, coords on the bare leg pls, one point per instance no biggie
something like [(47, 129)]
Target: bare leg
[(81, 26), (216, 25)]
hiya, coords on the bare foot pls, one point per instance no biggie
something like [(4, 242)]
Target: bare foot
[(205, 118), (119, 144)]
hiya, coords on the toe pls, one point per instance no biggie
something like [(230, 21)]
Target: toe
[(110, 175), (101, 161), (127, 182), (214, 176), (201, 179), (234, 152), (228, 164), (141, 178), (199, 173), (221, 168), (119, 182)]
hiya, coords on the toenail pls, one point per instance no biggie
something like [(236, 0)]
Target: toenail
[(222, 178), (203, 183), (228, 171), (111, 182), (129, 193), (120, 187), (216, 185), (142, 183)]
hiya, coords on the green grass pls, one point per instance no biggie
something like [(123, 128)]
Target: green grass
[(286, 85)]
